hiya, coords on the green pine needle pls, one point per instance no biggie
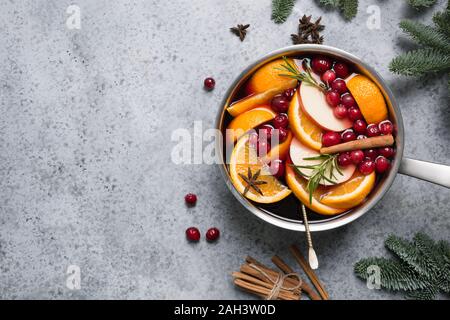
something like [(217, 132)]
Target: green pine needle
[(442, 21), (281, 9), (420, 61), (419, 4), (425, 35), (348, 8), (424, 294)]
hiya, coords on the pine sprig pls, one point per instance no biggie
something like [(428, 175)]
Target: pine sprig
[(425, 35), (419, 4), (420, 62), (281, 9), (348, 8)]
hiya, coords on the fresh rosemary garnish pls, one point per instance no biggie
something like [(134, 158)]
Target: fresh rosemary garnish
[(252, 181), (304, 76), (321, 172)]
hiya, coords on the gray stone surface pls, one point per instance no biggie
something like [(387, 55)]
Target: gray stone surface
[(85, 170)]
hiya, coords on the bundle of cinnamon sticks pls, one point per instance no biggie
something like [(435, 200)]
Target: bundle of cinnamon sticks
[(256, 278)]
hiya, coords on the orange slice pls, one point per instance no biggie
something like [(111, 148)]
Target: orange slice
[(369, 98), (279, 151), (298, 185), (244, 157), (268, 77), (249, 120), (302, 126), (351, 193)]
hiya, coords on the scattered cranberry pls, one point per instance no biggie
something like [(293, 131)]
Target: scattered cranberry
[(280, 103), (280, 121), (354, 113), (263, 147), (386, 127), (382, 164), (340, 111), (348, 135), (339, 86), (366, 167), (265, 131), (212, 234), (209, 83), (372, 130), (329, 76), (348, 101), (372, 154), (282, 134), (193, 234), (190, 198), (332, 98), (357, 156), (341, 70), (330, 139), (360, 126), (344, 159), (387, 152), (320, 64), (289, 93), (277, 168)]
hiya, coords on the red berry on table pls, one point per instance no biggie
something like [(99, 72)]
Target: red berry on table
[(372, 154), (372, 130), (344, 159), (209, 83), (289, 93), (382, 164), (339, 85), (282, 134), (357, 156), (280, 103), (348, 135), (328, 77), (263, 147), (331, 138), (354, 113), (386, 127), (366, 167), (190, 198), (280, 121), (333, 98), (320, 64), (340, 111), (341, 69), (348, 101), (265, 131), (212, 234), (360, 126), (277, 168), (193, 234), (387, 152)]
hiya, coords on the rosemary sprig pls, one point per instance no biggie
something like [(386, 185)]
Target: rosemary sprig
[(323, 171), (304, 76)]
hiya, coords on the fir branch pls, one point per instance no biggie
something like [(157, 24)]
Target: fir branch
[(349, 8), (442, 21), (420, 61), (425, 35), (420, 4), (281, 9), (423, 294)]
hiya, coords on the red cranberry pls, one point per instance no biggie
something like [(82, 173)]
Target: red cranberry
[(387, 152), (344, 159), (348, 101), (277, 168), (340, 111), (263, 147), (348, 135), (372, 154), (265, 131), (280, 103), (372, 130), (209, 83), (212, 234), (354, 113), (193, 234), (289, 93), (341, 70), (280, 121), (360, 126), (190, 198), (282, 134), (329, 76), (386, 127), (382, 164), (332, 98), (366, 167), (357, 156), (339, 85), (330, 139), (253, 139), (320, 64)]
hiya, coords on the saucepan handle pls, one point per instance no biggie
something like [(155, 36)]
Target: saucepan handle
[(428, 171)]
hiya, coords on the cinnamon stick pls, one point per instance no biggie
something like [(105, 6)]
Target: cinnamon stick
[(367, 143), (261, 291), (309, 272)]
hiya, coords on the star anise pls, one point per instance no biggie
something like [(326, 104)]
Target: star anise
[(252, 181), (240, 30), (308, 32)]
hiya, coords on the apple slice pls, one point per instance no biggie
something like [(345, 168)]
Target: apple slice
[(298, 152)]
